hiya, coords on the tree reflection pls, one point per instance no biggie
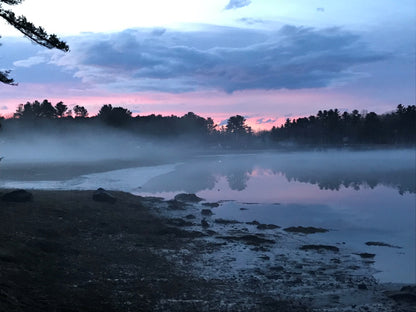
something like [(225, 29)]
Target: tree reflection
[(237, 180), (328, 173)]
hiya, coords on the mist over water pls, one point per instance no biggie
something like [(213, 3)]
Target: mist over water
[(360, 195), (83, 144), (330, 170)]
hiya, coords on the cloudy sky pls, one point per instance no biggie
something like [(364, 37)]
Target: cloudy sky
[(264, 59)]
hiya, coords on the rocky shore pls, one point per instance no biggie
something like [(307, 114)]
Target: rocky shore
[(112, 251)]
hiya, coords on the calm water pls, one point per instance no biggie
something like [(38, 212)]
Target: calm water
[(360, 196)]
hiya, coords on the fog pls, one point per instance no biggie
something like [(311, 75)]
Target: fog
[(74, 151), (83, 144), (82, 150)]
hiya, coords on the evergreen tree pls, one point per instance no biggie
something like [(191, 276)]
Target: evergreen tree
[(80, 111), (237, 125), (36, 34), (61, 109)]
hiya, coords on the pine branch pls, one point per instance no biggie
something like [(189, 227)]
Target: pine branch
[(36, 34), (11, 2), (4, 78)]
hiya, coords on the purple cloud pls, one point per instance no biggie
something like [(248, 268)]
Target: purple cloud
[(236, 4), (262, 121), (178, 61)]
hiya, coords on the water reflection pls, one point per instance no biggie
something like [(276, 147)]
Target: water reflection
[(329, 171)]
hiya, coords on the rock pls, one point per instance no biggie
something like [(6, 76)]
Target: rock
[(204, 223), (406, 295), (305, 230), (366, 255), (102, 195), (176, 205), (179, 222), (190, 217), (249, 239), (224, 221), (206, 212), (18, 196), (320, 247), (253, 222), (267, 226), (188, 198), (212, 205), (409, 289), (362, 286), (381, 244), (278, 268)]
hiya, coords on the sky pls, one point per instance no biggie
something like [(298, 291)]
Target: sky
[(266, 60)]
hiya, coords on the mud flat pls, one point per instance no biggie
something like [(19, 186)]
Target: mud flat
[(64, 251)]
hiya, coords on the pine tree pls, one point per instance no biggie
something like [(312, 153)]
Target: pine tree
[(36, 34)]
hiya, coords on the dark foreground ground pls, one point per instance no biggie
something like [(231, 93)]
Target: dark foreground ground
[(65, 252)]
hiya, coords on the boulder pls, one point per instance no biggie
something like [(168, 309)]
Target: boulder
[(204, 223), (206, 212), (102, 195), (179, 222), (406, 295), (18, 196), (305, 230), (225, 221), (174, 204), (362, 286), (366, 255), (212, 205), (267, 226), (188, 198), (320, 247)]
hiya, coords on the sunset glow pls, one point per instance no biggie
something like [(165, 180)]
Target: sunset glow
[(266, 61)]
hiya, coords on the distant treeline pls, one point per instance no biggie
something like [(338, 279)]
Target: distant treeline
[(332, 127), (326, 128)]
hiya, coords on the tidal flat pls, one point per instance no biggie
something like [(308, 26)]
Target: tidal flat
[(64, 251)]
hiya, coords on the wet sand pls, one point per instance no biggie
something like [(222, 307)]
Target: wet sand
[(63, 251)]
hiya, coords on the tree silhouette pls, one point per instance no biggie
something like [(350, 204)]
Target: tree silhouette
[(28, 111), (114, 116), (60, 109), (80, 111), (237, 125), (39, 110), (332, 128), (191, 123), (47, 110), (36, 34), (327, 128)]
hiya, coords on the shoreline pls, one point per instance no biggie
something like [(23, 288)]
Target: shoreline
[(65, 251)]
